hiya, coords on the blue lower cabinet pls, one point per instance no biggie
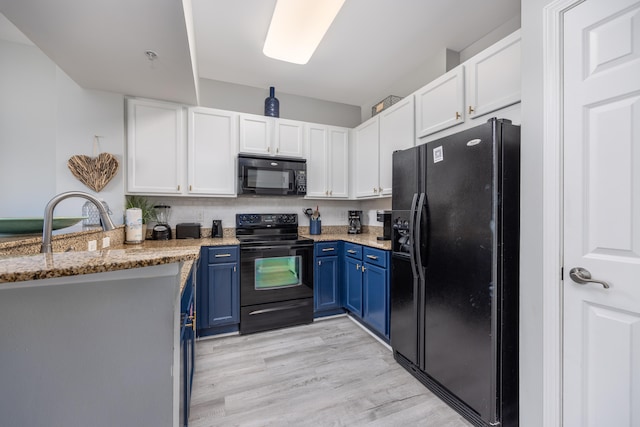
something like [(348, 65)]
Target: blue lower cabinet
[(327, 289), (375, 284), (376, 298), (353, 285), (187, 344), (218, 290)]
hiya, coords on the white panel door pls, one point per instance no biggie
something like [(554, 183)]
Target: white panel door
[(155, 147), (317, 155), (366, 158), (255, 134), (289, 138), (601, 347), (493, 77), (212, 146), (440, 104), (396, 133), (338, 164)]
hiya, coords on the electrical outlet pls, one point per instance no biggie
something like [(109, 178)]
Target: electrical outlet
[(92, 245), (106, 242)]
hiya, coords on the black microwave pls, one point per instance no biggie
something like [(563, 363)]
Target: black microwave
[(271, 176)]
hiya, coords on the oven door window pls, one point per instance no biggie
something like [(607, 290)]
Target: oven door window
[(257, 178), (277, 273)]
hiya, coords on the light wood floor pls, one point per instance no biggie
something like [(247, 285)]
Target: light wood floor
[(329, 373)]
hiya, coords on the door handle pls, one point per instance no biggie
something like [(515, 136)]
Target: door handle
[(582, 276)]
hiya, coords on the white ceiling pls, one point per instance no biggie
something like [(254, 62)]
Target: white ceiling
[(370, 45)]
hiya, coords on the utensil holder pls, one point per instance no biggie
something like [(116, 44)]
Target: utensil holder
[(315, 226)]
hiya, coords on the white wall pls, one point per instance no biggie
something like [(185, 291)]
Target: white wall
[(531, 339), (45, 118), (247, 99)]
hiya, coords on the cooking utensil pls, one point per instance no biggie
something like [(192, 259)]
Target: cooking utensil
[(308, 212)]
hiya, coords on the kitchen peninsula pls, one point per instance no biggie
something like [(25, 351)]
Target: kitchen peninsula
[(92, 338)]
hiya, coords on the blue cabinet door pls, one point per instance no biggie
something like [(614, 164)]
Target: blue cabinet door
[(223, 294), (353, 285), (376, 304), (327, 295)]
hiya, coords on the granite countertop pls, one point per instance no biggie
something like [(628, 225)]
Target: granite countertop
[(23, 267), (360, 239), (120, 257)]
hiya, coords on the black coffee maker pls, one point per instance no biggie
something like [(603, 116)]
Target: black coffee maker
[(355, 224), (162, 229), (385, 218)]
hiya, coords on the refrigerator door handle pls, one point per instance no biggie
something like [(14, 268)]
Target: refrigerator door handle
[(412, 252), (418, 232)]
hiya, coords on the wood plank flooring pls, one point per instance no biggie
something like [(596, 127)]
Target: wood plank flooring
[(329, 373)]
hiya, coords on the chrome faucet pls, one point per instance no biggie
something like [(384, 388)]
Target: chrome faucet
[(47, 228)]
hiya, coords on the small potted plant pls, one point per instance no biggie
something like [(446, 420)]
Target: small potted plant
[(142, 203)]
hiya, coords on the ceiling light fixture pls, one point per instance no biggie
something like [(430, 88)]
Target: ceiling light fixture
[(297, 26)]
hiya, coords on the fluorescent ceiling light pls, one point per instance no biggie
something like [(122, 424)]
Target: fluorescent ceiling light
[(297, 26)]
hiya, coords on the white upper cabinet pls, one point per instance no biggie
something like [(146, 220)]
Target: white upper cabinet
[(289, 138), (269, 136), (212, 146), (366, 158), (440, 104), (396, 133), (155, 147), (327, 162), (493, 77)]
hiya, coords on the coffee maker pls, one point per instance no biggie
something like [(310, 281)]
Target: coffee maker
[(162, 229), (385, 218), (355, 224)]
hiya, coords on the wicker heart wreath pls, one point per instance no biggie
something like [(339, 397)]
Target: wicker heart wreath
[(94, 172)]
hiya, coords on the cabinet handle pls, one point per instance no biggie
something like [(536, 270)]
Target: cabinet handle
[(277, 150), (222, 255), (363, 268), (358, 267), (190, 188), (458, 116), (351, 251), (319, 262), (471, 110), (192, 319), (326, 193), (375, 190), (178, 188), (268, 149), (372, 257), (234, 268), (328, 249), (380, 190), (331, 192)]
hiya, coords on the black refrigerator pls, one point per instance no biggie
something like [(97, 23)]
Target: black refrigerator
[(454, 277)]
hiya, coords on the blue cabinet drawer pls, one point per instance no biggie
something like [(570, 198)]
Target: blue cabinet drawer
[(326, 248), (220, 254), (375, 256), (352, 250)]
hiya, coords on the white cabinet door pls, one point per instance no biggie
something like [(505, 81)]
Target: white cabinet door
[(493, 77), (317, 154), (289, 138), (366, 158), (338, 164), (327, 161), (155, 147), (255, 134), (440, 104), (396, 133), (211, 151)]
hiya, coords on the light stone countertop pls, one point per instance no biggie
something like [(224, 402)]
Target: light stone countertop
[(367, 239), (17, 268)]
